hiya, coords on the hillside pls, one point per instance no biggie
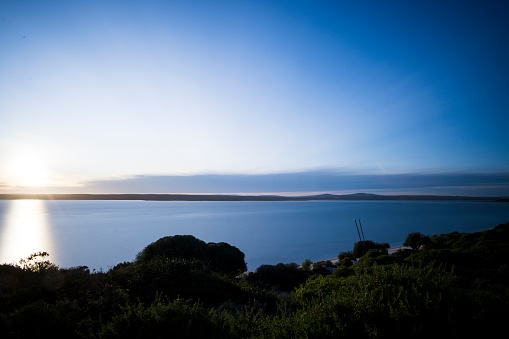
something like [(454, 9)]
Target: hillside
[(455, 286)]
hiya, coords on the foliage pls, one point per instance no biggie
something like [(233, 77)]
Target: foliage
[(177, 246), (306, 264), (346, 254), (225, 258), (175, 278), (378, 257), (361, 247), (37, 262), (179, 318), (280, 277), (219, 257), (346, 262), (343, 271), (416, 239), (403, 252), (317, 286), (346, 258), (455, 286), (385, 301)]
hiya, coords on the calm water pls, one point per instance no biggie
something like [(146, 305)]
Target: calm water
[(100, 234)]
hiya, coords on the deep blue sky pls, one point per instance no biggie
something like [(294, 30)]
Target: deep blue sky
[(100, 91)]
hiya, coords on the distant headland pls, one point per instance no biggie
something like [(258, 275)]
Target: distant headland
[(233, 197)]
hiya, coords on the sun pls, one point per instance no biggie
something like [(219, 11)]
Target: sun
[(29, 171)]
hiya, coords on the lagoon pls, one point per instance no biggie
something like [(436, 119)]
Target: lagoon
[(101, 234)]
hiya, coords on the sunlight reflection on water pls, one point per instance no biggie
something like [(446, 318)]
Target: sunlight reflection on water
[(25, 231)]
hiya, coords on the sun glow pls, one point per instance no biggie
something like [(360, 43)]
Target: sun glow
[(24, 230), (28, 171)]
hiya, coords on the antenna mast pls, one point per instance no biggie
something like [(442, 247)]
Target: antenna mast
[(362, 231)]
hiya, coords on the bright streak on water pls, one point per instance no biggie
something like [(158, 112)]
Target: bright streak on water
[(25, 231), (101, 234)]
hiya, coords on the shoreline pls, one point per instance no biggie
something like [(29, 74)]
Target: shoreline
[(234, 197), (390, 251)]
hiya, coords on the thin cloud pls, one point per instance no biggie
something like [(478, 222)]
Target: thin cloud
[(451, 183)]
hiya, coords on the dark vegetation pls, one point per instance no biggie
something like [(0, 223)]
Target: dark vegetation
[(416, 240), (449, 285)]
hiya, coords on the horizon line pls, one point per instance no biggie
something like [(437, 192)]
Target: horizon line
[(241, 196)]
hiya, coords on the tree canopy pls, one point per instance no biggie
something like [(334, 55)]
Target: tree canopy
[(220, 257), (416, 240), (225, 258), (361, 247)]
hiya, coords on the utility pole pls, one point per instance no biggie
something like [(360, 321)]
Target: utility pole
[(363, 242), (357, 227), (362, 231)]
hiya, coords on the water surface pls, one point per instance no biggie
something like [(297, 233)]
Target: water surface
[(101, 234)]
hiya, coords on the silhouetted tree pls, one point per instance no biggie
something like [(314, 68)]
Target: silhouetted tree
[(360, 248), (347, 262), (306, 264), (225, 258), (416, 240), (218, 257), (177, 246), (283, 277), (347, 254)]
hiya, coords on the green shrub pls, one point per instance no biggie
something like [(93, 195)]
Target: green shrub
[(177, 246), (415, 240), (162, 319), (361, 247), (280, 277), (384, 301)]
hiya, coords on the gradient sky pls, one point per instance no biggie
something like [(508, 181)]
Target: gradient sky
[(107, 91)]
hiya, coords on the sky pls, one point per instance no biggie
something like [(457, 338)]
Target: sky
[(253, 96)]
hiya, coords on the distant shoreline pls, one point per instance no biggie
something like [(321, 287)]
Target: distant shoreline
[(232, 197)]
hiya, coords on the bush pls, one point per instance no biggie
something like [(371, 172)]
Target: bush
[(360, 248), (457, 289), (306, 265), (177, 246), (403, 252), (40, 319), (343, 271), (384, 301), (348, 254), (177, 318), (346, 262), (219, 257), (282, 277), (416, 240), (225, 258)]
